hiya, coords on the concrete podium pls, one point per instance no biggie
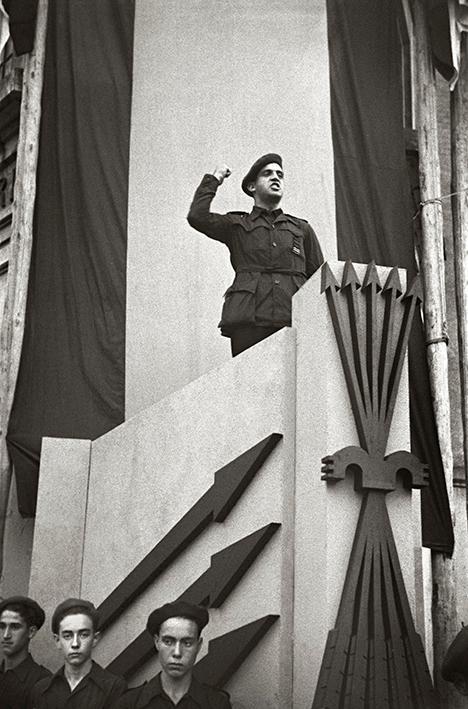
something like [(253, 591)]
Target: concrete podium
[(216, 493)]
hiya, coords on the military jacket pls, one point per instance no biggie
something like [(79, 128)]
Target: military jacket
[(272, 253), (151, 695)]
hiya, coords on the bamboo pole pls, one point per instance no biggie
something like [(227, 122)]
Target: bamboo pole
[(11, 339), (459, 145), (444, 612)]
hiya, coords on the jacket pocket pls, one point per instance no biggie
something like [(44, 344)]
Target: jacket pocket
[(239, 301)]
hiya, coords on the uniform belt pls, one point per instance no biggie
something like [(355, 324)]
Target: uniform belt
[(246, 269)]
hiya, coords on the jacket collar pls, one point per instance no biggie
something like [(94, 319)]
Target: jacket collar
[(259, 212)]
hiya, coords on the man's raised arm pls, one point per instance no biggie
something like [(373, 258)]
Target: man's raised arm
[(216, 226)]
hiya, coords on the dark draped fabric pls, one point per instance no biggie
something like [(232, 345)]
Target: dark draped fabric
[(22, 22), (373, 200), (71, 379), (439, 32)]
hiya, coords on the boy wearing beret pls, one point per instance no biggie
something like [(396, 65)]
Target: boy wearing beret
[(176, 630), (20, 619), (272, 253), (81, 683)]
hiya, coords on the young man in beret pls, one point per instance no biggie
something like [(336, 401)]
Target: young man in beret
[(176, 630), (272, 253), (455, 664), (20, 619), (81, 683)]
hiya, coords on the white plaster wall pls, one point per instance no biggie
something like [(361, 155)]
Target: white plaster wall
[(148, 472), (17, 549), (59, 531), (214, 81)]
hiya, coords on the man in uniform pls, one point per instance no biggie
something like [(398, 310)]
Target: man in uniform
[(272, 253), (80, 683), (176, 630), (20, 619)]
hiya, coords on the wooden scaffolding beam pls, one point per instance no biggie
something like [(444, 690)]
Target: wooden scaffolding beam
[(444, 611), (459, 153), (21, 244)]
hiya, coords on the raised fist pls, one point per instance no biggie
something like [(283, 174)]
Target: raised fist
[(221, 172)]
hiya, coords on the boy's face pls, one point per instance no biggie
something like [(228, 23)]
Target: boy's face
[(76, 638), (15, 634), (178, 644)]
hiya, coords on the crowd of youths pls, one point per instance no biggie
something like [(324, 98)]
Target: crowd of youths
[(81, 683)]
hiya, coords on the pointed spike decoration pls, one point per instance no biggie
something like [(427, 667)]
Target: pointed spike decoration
[(350, 277), (415, 289), (371, 276), (393, 281), (230, 564), (328, 279), (227, 652)]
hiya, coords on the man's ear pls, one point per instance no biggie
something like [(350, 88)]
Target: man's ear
[(96, 638), (57, 639), (251, 187), (32, 631)]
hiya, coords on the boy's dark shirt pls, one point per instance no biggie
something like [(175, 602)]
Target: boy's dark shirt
[(99, 689), (151, 695), (16, 684)]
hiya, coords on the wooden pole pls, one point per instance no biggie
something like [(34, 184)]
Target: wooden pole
[(459, 145), (444, 612), (20, 248)]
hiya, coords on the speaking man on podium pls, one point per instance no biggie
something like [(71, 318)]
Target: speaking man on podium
[(272, 253)]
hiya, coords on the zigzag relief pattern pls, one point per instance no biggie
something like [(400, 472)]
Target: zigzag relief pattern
[(374, 657), (213, 587)]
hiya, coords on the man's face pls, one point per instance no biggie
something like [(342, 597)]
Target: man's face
[(14, 633), (76, 638), (178, 645), (269, 183)]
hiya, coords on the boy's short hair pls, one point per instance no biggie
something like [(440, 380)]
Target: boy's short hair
[(73, 606), (177, 609), (27, 608)]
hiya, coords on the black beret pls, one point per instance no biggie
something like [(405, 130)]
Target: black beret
[(36, 615), (251, 176), (456, 657), (76, 605), (178, 609)]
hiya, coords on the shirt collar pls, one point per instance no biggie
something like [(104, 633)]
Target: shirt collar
[(24, 667), (259, 211), (96, 673), (154, 688), (99, 675)]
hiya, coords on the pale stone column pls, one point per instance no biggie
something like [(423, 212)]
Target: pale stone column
[(214, 82), (59, 531)]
